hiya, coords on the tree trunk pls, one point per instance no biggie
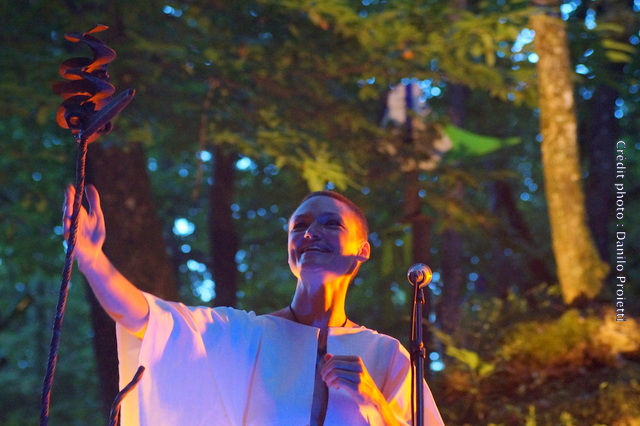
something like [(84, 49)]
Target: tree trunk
[(134, 244), (448, 309), (223, 238), (580, 270), (503, 203), (420, 223), (452, 275)]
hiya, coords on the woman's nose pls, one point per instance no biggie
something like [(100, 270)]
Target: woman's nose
[(312, 232)]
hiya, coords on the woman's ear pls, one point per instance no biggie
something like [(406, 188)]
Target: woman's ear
[(364, 252)]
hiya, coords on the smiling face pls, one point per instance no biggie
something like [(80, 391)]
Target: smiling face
[(326, 239)]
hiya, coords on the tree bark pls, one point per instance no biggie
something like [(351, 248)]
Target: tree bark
[(134, 244), (453, 290), (504, 203), (223, 238), (448, 308), (580, 270), (420, 223)]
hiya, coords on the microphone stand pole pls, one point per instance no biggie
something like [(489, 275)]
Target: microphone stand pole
[(419, 276)]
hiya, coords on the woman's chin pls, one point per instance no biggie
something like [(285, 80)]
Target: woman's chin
[(315, 272)]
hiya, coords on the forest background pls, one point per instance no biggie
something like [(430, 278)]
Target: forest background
[(502, 178)]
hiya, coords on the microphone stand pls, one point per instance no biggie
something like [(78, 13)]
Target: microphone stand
[(419, 276)]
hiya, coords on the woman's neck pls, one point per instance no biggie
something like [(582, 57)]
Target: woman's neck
[(320, 306)]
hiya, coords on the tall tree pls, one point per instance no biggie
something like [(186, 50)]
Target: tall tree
[(135, 244), (452, 273), (580, 270), (223, 237)]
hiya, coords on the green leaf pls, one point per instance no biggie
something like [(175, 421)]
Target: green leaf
[(446, 339), (619, 46), (468, 144), (618, 57), (319, 168), (468, 358), (486, 369)]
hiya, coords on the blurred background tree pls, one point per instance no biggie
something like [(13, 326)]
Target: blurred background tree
[(243, 107)]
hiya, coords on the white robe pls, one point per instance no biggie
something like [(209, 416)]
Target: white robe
[(224, 366)]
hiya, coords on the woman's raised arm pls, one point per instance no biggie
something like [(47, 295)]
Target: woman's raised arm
[(123, 301)]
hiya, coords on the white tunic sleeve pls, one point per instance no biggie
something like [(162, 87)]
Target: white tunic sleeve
[(177, 378)]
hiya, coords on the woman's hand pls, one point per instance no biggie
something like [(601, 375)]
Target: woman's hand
[(348, 372), (91, 230)]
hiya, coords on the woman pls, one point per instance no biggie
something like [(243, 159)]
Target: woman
[(306, 364)]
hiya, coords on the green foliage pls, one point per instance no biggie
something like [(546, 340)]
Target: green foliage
[(618, 52), (551, 368), (24, 344), (472, 360), (321, 169), (609, 405), (538, 345), (572, 341), (477, 368)]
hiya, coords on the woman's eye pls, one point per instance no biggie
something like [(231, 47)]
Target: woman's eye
[(298, 226)]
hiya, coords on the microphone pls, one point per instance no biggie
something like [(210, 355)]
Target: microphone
[(420, 275)]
